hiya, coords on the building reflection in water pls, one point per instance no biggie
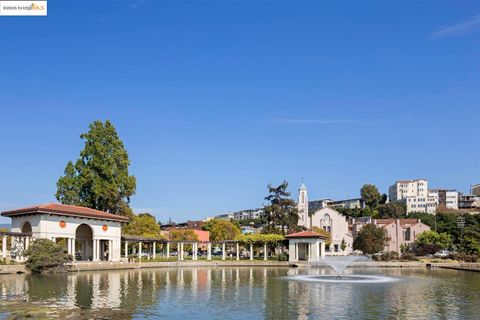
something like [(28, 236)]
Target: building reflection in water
[(265, 292)]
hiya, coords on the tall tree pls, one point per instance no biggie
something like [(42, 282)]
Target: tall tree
[(282, 211), (370, 195), (371, 239), (99, 179)]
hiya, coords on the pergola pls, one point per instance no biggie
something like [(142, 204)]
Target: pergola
[(20, 241), (127, 239)]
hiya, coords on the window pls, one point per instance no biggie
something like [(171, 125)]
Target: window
[(406, 235), (335, 247)]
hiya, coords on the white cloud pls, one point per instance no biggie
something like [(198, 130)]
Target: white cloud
[(458, 29), (314, 121)]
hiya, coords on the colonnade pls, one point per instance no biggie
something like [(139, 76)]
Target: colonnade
[(20, 242), (180, 249)]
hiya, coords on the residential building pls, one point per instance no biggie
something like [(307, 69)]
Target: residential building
[(446, 198), (248, 214), (195, 225), (226, 216), (475, 189), (326, 218), (415, 195), (356, 203), (468, 202)]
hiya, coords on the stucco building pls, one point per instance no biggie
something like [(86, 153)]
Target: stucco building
[(328, 219), (400, 231), (88, 234)]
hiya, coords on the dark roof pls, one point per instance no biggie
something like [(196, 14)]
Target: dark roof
[(66, 210)]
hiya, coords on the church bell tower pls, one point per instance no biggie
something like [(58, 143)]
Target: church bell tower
[(303, 206)]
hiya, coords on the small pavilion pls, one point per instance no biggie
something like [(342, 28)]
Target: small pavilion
[(305, 246), (88, 234)]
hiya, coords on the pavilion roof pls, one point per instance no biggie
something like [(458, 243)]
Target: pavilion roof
[(66, 210), (305, 234)]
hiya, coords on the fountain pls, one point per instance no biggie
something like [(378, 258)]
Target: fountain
[(339, 264)]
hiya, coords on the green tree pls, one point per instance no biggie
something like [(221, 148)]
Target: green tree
[(430, 242), (370, 195), (371, 239), (282, 211), (392, 210), (343, 245), (99, 179), (182, 235), (471, 240), (144, 225), (44, 255), (221, 230)]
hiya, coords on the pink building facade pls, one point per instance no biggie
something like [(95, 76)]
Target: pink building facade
[(401, 231)]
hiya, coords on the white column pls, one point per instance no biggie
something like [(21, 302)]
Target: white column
[(209, 251), (265, 254), (194, 251), (4, 247), (238, 251), (223, 251), (291, 251), (322, 249), (27, 243), (126, 249), (154, 249), (168, 250), (110, 250), (251, 251), (181, 251), (94, 250), (99, 252), (139, 249), (73, 249)]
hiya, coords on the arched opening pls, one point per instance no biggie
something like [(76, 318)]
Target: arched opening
[(27, 228), (84, 242)]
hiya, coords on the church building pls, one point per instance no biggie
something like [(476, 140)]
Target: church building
[(328, 219)]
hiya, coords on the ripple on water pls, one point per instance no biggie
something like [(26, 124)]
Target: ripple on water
[(344, 279)]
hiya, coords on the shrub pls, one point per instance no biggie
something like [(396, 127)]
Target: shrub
[(282, 257), (409, 256), (390, 255), (461, 256), (46, 256)]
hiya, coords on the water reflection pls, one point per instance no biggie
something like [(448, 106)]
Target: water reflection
[(236, 293)]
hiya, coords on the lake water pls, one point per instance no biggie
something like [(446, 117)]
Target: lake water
[(240, 293)]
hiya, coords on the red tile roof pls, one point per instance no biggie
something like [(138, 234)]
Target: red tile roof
[(304, 234), (66, 210)]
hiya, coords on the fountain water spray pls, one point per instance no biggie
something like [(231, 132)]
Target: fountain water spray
[(339, 263)]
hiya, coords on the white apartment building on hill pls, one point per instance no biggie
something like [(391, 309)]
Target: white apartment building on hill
[(446, 198), (415, 195)]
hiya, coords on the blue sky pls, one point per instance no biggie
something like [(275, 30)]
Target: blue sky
[(214, 100)]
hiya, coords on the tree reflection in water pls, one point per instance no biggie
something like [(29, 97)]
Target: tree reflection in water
[(237, 293)]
